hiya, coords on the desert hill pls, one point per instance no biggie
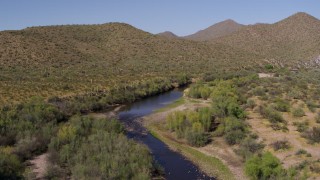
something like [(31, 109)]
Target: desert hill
[(217, 30)]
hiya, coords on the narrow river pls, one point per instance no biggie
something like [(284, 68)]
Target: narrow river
[(175, 165)]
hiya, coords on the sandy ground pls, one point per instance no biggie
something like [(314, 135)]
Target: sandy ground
[(265, 75), (217, 148), (262, 127), (39, 165)]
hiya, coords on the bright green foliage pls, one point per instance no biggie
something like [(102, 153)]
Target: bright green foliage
[(225, 110), (205, 117), (177, 122), (199, 90), (265, 166), (192, 125), (225, 100)]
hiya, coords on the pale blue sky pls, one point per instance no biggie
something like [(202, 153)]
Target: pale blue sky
[(179, 16)]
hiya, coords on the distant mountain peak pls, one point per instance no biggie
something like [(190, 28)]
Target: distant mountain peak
[(302, 14), (229, 21), (168, 34), (217, 30), (300, 17)]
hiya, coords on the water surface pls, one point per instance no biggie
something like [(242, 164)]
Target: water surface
[(175, 165)]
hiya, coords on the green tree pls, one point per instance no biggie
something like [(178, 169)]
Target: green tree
[(265, 166)]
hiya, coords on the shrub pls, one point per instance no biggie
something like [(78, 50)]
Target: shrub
[(191, 125), (313, 135), (282, 105), (219, 131), (97, 149), (265, 166), (10, 166), (225, 100), (315, 167), (199, 91), (233, 129), (298, 112), (234, 137), (251, 103), (279, 126), (176, 121), (205, 117), (259, 91), (295, 94), (280, 145), (301, 126), (271, 114), (269, 66), (26, 147), (318, 117), (301, 151), (248, 147), (312, 105), (195, 138)]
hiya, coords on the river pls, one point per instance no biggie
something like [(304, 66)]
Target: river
[(175, 165)]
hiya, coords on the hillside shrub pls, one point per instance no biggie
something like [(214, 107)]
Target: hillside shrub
[(271, 114), (248, 147), (312, 106), (298, 112), (269, 66), (251, 103), (282, 105), (313, 135), (301, 152), (280, 145), (259, 91), (301, 126)]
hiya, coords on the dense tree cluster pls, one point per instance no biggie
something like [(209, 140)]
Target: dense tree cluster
[(97, 148)]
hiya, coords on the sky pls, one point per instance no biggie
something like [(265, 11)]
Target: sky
[(181, 17)]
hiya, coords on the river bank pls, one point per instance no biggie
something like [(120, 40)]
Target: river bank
[(216, 159)]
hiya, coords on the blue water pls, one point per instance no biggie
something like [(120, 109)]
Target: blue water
[(175, 165)]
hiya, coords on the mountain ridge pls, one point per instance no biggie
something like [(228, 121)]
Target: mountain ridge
[(214, 31), (72, 59)]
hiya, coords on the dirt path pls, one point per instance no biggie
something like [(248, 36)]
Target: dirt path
[(39, 165)]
